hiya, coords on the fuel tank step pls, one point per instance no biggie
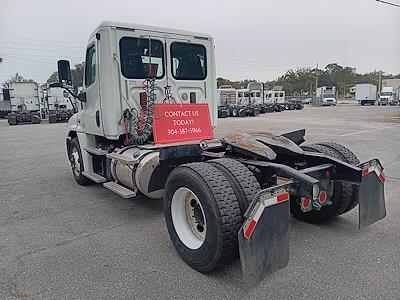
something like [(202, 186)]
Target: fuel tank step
[(94, 177), (128, 160), (119, 189), (96, 151)]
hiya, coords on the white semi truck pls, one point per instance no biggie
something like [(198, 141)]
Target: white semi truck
[(388, 96), (148, 129), (366, 93), (327, 94), (60, 105), (5, 105), (25, 103)]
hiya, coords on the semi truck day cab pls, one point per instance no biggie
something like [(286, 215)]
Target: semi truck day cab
[(25, 102), (327, 95), (60, 106), (146, 124), (388, 96)]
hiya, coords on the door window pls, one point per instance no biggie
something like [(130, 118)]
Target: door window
[(90, 68)]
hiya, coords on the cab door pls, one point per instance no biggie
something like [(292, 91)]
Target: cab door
[(91, 112)]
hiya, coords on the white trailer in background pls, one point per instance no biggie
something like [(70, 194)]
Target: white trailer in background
[(366, 93), (59, 103), (25, 103)]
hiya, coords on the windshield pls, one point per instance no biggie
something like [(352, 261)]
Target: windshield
[(386, 94), (329, 96), (137, 61), (188, 61)]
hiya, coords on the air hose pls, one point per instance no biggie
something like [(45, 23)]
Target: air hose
[(139, 126)]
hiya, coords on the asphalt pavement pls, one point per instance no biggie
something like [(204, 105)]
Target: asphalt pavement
[(59, 240)]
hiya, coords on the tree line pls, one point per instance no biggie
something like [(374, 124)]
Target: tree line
[(302, 81)]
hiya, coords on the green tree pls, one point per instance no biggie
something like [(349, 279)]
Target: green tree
[(76, 73), (222, 81)]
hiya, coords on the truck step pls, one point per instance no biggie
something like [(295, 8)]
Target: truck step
[(96, 151), (119, 189), (94, 177), (122, 158)]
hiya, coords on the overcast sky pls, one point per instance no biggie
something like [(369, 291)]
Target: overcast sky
[(254, 39)]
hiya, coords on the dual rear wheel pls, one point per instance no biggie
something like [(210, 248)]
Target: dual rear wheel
[(204, 205)]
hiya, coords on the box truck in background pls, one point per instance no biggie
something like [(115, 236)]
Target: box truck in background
[(366, 93)]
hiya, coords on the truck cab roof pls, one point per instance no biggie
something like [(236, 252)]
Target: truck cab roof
[(132, 26)]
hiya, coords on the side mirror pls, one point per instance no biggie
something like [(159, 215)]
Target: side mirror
[(82, 96), (64, 72)]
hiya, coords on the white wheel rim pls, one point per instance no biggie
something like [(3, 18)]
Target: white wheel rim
[(188, 218), (76, 167)]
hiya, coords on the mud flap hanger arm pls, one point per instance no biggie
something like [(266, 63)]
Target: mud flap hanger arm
[(301, 184)]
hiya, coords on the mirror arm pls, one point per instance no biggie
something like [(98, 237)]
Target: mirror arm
[(68, 88)]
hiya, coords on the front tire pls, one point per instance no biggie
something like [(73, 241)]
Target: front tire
[(202, 216), (76, 160)]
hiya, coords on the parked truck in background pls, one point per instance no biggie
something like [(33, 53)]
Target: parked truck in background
[(25, 103), (327, 94), (388, 96), (390, 92), (366, 93), (5, 105), (59, 103)]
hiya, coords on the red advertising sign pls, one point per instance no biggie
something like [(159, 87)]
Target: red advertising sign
[(181, 123)]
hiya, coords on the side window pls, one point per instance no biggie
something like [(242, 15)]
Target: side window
[(90, 67), (188, 61), (240, 94), (258, 94)]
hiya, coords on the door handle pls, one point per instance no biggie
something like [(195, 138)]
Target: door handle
[(97, 118)]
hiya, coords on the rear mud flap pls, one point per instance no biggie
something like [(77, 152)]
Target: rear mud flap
[(264, 236), (371, 196)]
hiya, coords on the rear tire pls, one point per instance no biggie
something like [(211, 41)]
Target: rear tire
[(349, 157), (217, 211), (242, 180), (341, 198)]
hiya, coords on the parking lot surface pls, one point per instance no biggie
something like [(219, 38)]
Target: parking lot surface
[(59, 240)]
